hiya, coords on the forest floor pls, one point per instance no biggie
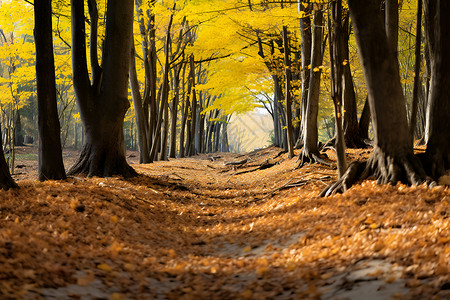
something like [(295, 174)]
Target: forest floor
[(200, 228)]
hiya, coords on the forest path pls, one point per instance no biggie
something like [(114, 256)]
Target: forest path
[(207, 228)]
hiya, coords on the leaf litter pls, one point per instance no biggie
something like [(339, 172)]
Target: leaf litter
[(196, 228)]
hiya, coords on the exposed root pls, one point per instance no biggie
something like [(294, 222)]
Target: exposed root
[(384, 168), (102, 163), (312, 158), (352, 175), (352, 142), (389, 169)]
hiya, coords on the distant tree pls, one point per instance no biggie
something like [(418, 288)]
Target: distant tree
[(50, 154), (104, 102)]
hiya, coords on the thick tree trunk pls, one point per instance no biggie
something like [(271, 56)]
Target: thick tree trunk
[(352, 135), (393, 158), (310, 151), (438, 109), (391, 22), (104, 104), (50, 154)]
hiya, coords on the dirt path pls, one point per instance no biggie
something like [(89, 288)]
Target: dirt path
[(205, 228)]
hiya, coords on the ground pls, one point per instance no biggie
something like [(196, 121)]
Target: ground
[(204, 228)]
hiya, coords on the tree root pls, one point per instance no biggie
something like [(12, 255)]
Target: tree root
[(101, 163), (353, 174), (312, 158), (385, 168), (354, 142)]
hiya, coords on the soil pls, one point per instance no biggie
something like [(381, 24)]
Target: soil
[(207, 228)]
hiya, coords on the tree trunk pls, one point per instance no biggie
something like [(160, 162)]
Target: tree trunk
[(6, 181), (288, 75), (417, 67), (103, 104), (184, 117), (438, 109), (165, 134), (278, 140), (50, 154), (306, 38), (364, 121), (174, 118), (141, 121), (337, 77), (310, 151), (391, 22), (191, 148), (352, 135), (392, 159), (163, 96)]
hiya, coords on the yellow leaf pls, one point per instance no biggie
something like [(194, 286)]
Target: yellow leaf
[(104, 267), (113, 219), (247, 249), (247, 294), (116, 296), (172, 253)]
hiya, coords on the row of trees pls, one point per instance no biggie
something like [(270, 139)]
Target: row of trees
[(189, 76)]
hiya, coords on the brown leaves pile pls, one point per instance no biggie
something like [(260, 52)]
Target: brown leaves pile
[(192, 229)]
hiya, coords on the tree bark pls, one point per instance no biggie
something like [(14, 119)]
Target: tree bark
[(6, 181), (391, 22), (174, 118), (288, 75), (364, 120), (306, 38), (191, 148), (438, 109), (164, 95), (392, 159), (310, 151), (50, 153), (104, 103), (417, 66), (352, 135), (337, 79), (141, 120)]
